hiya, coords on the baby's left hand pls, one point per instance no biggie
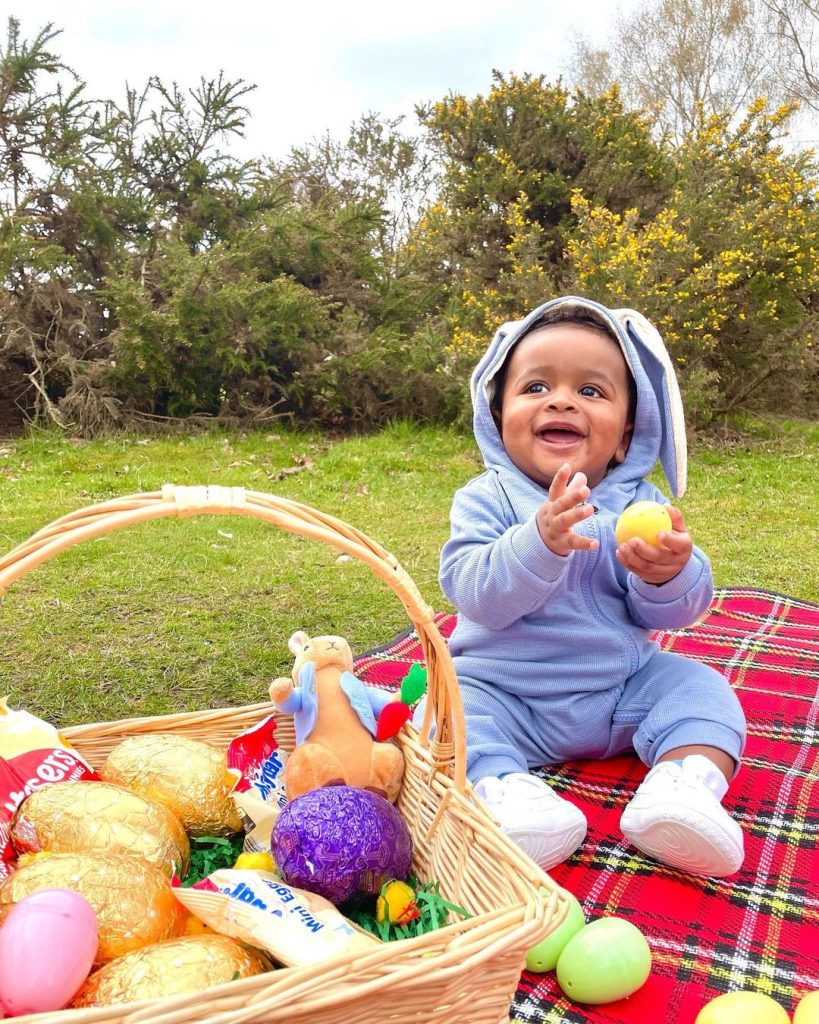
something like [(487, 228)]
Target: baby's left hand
[(658, 565)]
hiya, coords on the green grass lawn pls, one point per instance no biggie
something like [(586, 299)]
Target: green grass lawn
[(185, 614)]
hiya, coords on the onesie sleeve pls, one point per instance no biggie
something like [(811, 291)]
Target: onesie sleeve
[(677, 603), (494, 572)]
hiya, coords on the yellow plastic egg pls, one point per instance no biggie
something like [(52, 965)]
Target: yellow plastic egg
[(807, 1009), (644, 519), (193, 926), (742, 1008), (255, 861)]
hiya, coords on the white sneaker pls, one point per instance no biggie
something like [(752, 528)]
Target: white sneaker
[(676, 818), (546, 827)]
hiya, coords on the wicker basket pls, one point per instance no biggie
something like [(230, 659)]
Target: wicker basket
[(465, 972)]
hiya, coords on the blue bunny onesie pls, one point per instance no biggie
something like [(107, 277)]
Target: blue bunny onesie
[(553, 653)]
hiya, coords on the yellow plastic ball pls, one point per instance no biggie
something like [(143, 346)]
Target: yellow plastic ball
[(255, 862), (742, 1008), (807, 1009), (644, 519)]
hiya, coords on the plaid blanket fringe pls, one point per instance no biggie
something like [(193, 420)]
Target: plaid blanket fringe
[(758, 929)]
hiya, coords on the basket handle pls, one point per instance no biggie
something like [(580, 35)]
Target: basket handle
[(448, 749)]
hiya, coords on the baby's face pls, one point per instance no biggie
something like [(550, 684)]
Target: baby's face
[(566, 399)]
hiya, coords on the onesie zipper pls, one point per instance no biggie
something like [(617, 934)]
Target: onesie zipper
[(631, 650)]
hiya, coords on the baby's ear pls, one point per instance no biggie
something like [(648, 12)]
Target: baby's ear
[(625, 441)]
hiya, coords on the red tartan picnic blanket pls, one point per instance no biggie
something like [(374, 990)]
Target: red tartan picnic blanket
[(758, 929)]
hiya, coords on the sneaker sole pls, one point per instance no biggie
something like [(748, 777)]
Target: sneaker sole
[(684, 845), (548, 850)]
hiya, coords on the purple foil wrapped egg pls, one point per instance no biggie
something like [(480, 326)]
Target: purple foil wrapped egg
[(339, 841)]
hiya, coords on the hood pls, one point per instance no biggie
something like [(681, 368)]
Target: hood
[(659, 426)]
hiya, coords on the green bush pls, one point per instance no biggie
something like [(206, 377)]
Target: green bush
[(147, 273), (727, 266), (201, 333)]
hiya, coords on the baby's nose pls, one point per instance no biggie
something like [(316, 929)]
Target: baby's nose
[(561, 398)]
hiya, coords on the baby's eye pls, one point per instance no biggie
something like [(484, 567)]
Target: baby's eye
[(536, 388), (590, 391)]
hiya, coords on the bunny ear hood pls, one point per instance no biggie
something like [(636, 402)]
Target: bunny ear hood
[(657, 365), (659, 426)]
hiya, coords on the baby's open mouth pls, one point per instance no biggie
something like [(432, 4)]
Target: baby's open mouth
[(560, 435)]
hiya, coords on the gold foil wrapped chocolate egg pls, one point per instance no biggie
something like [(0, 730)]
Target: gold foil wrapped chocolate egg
[(96, 817), (173, 968), (133, 900), (188, 776)]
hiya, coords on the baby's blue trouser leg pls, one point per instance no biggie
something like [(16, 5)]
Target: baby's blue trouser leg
[(672, 701), (498, 731), (675, 701)]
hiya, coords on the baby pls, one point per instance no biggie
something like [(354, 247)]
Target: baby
[(573, 406)]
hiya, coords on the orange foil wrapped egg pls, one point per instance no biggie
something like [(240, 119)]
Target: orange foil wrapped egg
[(133, 900), (187, 776), (96, 817), (177, 967)]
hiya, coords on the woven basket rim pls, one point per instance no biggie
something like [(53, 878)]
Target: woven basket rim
[(490, 941), (443, 708)]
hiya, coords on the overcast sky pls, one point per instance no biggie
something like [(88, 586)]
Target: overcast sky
[(318, 65)]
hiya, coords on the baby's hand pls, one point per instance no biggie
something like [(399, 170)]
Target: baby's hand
[(567, 506), (658, 565)]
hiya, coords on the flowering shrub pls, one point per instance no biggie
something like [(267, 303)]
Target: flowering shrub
[(727, 267), (146, 273)]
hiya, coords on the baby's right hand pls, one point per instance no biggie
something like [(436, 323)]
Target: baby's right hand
[(567, 506)]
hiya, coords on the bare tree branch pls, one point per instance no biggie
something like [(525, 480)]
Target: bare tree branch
[(684, 60), (796, 23)]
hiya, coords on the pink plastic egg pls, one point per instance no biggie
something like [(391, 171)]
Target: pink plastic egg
[(47, 946)]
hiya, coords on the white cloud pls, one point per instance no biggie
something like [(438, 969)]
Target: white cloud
[(318, 65)]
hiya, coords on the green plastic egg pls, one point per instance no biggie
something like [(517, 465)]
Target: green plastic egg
[(544, 956), (607, 960)]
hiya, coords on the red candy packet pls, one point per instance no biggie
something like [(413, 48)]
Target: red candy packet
[(32, 754), (258, 761)]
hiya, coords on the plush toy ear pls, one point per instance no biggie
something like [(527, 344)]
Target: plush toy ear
[(297, 641)]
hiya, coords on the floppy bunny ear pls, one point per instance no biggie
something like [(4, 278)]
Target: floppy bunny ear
[(489, 355), (660, 371)]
